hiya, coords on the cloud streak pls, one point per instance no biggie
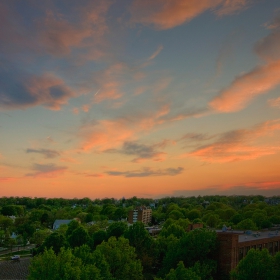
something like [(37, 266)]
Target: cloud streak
[(142, 152), (259, 80), (168, 14), (46, 170), (239, 145), (45, 152), (147, 172)]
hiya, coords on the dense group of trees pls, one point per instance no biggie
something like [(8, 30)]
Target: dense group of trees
[(173, 254)]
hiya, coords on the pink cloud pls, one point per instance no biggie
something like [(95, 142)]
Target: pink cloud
[(168, 14), (49, 91), (107, 134), (247, 86), (239, 145), (58, 35)]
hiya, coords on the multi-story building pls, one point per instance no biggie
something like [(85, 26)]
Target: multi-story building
[(234, 245), (142, 214)]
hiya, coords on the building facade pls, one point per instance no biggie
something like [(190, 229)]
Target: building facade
[(142, 214), (234, 245)]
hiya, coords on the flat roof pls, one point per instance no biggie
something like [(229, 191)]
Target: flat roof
[(258, 235), (244, 236)]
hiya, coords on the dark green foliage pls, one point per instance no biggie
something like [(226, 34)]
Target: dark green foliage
[(195, 246), (78, 237), (116, 229), (54, 241), (145, 246), (71, 227), (121, 259), (99, 236), (257, 265)]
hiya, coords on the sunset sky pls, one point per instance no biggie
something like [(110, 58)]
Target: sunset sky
[(139, 98)]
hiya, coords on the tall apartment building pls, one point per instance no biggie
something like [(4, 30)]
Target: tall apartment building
[(234, 245), (142, 214)]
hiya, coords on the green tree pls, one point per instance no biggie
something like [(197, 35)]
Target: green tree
[(72, 226), (40, 236), (116, 229), (78, 237), (176, 214), (194, 214), (5, 222), (246, 224), (121, 259), (212, 221), (257, 264), (54, 241), (182, 273)]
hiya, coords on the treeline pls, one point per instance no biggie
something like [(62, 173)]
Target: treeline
[(122, 252)]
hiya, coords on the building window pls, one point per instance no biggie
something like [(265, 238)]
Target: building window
[(276, 248), (270, 248), (259, 246), (241, 254)]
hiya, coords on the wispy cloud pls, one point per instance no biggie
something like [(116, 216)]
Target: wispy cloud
[(45, 152), (258, 81), (168, 14), (47, 170), (99, 134), (141, 151), (239, 145), (246, 87), (147, 172)]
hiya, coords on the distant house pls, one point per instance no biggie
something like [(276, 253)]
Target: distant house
[(58, 223)]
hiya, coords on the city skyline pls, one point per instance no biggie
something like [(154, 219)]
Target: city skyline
[(139, 98)]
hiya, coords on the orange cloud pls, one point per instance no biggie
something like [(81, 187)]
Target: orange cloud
[(258, 81), (247, 86), (168, 14), (108, 134), (239, 145), (109, 82)]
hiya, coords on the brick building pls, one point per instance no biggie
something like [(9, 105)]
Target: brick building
[(234, 245), (142, 214)]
